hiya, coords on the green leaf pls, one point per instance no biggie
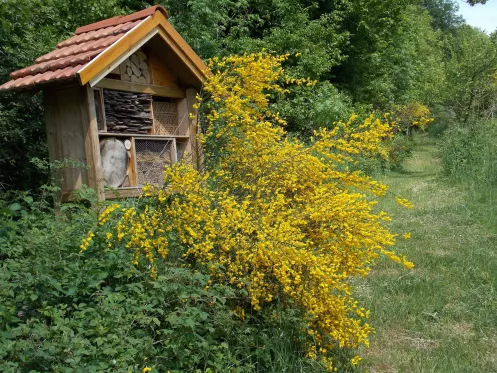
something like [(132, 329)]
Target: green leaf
[(5, 211), (16, 206), (156, 321), (28, 200)]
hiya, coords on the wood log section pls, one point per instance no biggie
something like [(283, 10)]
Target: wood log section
[(114, 162), (127, 112), (135, 69)]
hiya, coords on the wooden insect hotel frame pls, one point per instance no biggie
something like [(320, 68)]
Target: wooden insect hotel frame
[(119, 98)]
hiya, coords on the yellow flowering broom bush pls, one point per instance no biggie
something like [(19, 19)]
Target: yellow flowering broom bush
[(280, 220), (412, 115)]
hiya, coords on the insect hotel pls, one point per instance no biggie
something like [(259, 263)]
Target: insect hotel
[(118, 97)]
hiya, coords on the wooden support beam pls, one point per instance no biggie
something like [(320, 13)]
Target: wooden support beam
[(189, 127), (196, 146), (91, 141), (156, 90), (123, 193)]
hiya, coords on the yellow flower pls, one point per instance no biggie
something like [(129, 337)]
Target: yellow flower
[(407, 235), (404, 202), (87, 241), (146, 369), (355, 360)]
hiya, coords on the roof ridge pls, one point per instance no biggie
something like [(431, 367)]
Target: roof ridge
[(72, 57), (122, 19)]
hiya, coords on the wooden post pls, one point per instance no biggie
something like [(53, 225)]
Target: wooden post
[(196, 147), (189, 127), (50, 104), (92, 145)]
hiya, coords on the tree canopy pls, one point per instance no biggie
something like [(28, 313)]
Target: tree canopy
[(364, 53)]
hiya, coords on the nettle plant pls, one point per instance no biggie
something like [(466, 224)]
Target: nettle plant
[(279, 220)]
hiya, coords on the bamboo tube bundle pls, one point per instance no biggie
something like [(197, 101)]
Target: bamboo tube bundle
[(165, 117)]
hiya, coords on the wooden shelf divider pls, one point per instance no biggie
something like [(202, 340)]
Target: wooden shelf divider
[(156, 90)]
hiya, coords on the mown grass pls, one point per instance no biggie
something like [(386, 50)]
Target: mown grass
[(441, 316)]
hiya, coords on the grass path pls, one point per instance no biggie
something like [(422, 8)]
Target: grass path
[(441, 316)]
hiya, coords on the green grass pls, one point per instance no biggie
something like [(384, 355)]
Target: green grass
[(441, 316)]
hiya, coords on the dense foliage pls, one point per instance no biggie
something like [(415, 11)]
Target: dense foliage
[(64, 311), (367, 55), (252, 273)]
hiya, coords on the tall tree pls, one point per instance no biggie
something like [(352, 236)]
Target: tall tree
[(444, 13), (471, 73)]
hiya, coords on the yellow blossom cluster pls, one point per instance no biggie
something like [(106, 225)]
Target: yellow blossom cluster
[(106, 214), (404, 202), (283, 220), (413, 115), (145, 233), (87, 241)]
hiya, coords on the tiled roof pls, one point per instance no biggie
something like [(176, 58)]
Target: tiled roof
[(71, 55)]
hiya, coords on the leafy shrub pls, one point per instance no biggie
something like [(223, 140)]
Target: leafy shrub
[(410, 116), (309, 108), (399, 149), (66, 311), (469, 154), (469, 157), (444, 118), (406, 119)]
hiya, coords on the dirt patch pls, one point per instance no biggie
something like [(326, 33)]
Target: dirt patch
[(421, 343), (395, 338), (383, 368), (462, 329)]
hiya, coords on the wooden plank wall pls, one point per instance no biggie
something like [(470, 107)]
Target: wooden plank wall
[(160, 73), (92, 142), (73, 136), (189, 126), (66, 137)]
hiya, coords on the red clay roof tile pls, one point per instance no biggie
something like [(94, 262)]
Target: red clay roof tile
[(60, 63), (97, 34), (73, 54), (122, 19)]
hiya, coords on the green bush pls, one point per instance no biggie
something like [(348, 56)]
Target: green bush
[(66, 311), (400, 148), (308, 109), (469, 154), (469, 157), (443, 119)]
